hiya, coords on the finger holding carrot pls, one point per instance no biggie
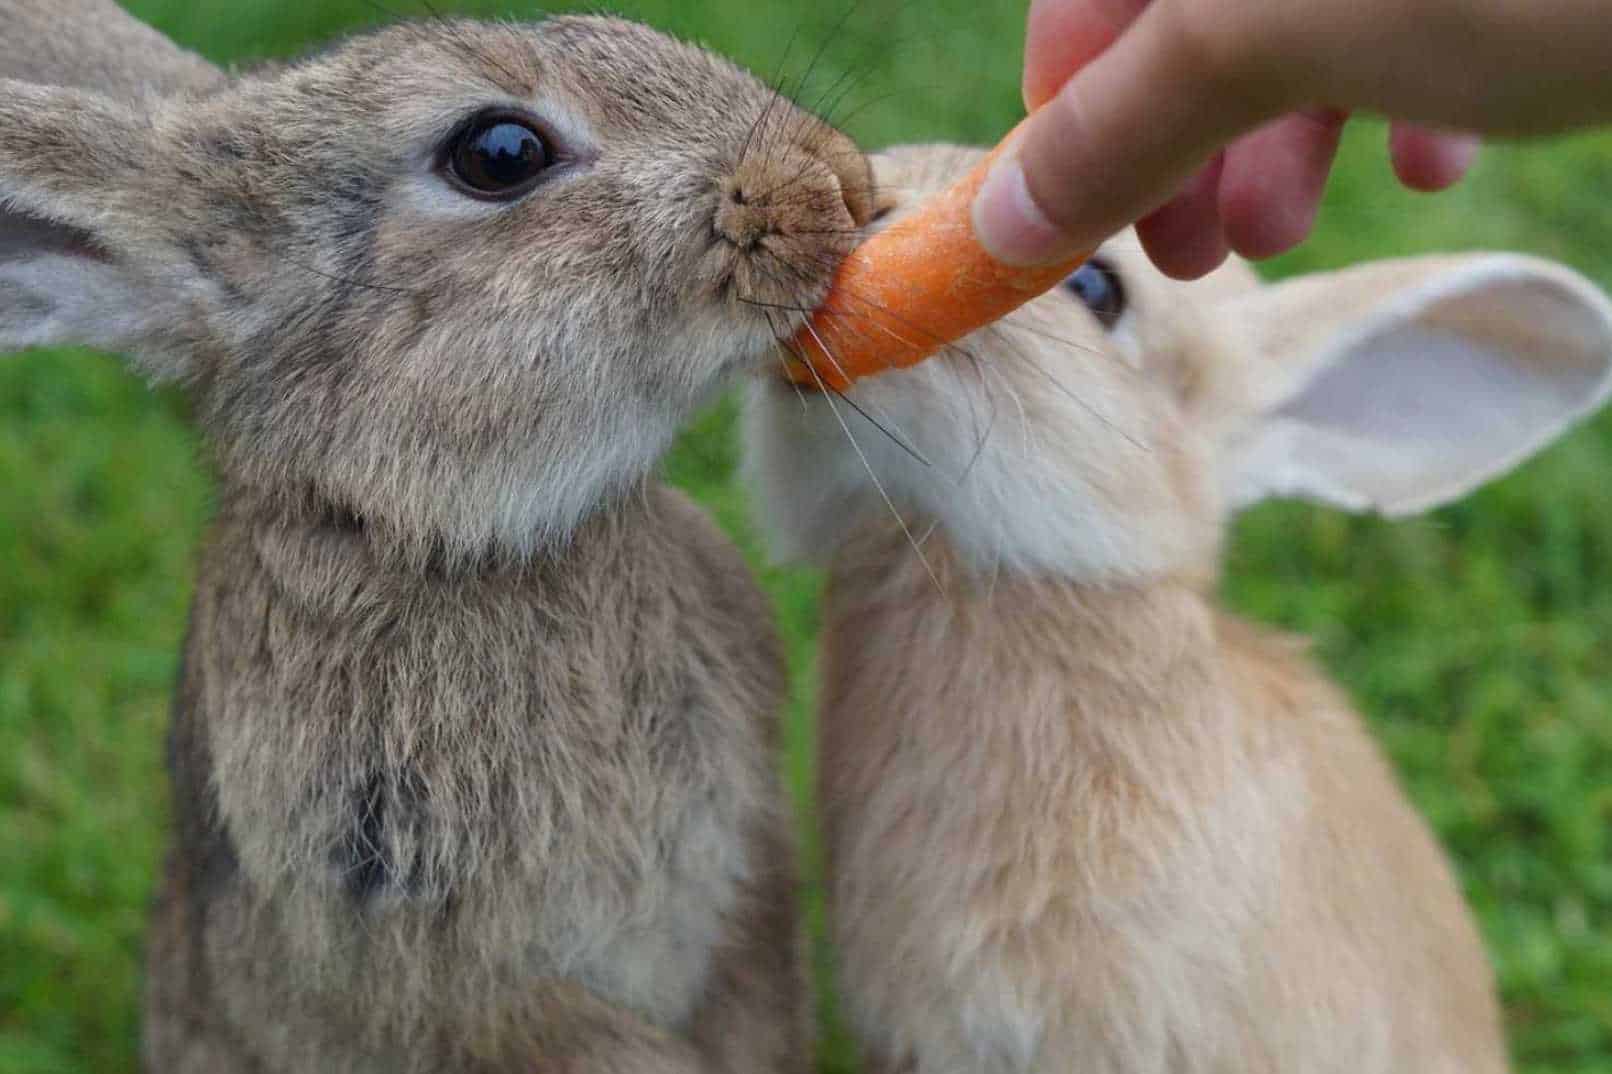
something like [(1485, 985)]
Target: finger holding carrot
[(1136, 97), (1216, 123)]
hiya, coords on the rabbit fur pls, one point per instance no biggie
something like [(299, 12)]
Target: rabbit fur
[(473, 748), (1078, 817)]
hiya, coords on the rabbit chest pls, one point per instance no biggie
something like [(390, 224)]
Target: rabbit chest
[(552, 771)]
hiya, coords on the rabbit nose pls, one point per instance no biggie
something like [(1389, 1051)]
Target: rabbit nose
[(821, 187), (744, 217)]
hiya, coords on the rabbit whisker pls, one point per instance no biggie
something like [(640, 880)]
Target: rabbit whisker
[(898, 441), (873, 477), (470, 49), (1036, 367), (783, 306), (982, 436), (877, 62), (848, 79), (766, 196), (776, 82), (806, 310), (376, 5), (863, 107), (882, 422), (801, 275), (349, 282), (783, 366), (993, 379), (811, 68)]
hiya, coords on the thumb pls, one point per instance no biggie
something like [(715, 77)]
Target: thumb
[(1117, 141)]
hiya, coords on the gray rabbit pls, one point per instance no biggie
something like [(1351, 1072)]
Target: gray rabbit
[(473, 747)]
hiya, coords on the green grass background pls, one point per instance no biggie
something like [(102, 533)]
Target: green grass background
[(1479, 640)]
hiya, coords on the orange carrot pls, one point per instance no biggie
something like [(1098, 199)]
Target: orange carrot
[(923, 282)]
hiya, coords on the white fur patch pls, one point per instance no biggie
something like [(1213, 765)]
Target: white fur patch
[(1025, 465)]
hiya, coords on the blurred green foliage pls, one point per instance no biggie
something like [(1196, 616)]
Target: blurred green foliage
[(1478, 640)]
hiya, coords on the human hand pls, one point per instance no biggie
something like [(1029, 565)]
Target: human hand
[(1215, 122)]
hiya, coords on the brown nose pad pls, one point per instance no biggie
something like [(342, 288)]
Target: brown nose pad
[(806, 189), (743, 216)]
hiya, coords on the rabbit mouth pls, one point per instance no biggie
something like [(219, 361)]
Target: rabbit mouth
[(769, 355)]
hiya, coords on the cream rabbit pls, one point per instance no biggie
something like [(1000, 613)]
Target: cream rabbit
[(1078, 817), (473, 750)]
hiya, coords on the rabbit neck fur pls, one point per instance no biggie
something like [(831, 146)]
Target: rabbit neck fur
[(1143, 824), (442, 790)]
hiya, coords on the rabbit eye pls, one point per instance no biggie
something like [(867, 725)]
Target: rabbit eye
[(1097, 285), (498, 156)]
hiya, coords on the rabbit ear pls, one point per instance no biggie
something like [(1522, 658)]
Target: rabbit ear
[(1404, 385), (97, 45), (79, 237)]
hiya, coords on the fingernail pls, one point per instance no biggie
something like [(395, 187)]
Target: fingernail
[(1008, 222)]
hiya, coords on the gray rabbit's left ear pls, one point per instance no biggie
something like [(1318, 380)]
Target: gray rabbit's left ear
[(1402, 385), (86, 255)]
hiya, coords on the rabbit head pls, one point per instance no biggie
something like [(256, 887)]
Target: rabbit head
[(458, 282), (1105, 430)]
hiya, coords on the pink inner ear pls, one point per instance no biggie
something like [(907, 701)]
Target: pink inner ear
[(1432, 398), (1419, 414)]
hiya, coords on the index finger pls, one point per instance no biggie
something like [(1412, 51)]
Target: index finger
[(1062, 36), (1122, 136)]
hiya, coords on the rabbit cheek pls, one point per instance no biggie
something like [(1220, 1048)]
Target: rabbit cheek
[(230, 263)]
